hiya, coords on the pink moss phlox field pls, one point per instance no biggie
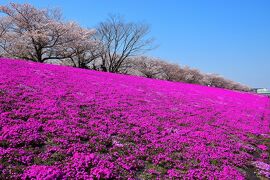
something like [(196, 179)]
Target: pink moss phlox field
[(67, 123)]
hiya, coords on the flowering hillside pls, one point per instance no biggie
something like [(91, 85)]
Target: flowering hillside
[(65, 123)]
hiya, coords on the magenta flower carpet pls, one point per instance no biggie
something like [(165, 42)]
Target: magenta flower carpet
[(60, 122)]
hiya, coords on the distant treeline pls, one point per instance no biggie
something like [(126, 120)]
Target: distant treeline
[(115, 45)]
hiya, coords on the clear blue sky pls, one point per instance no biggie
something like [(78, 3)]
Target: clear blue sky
[(228, 37)]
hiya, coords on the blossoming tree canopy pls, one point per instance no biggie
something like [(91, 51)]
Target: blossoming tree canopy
[(41, 35)]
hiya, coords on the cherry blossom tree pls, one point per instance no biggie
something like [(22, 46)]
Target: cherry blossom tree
[(159, 69), (82, 49), (147, 66), (171, 72), (41, 35), (4, 25), (216, 80), (190, 75)]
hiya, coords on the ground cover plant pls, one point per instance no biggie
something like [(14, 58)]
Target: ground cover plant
[(67, 123)]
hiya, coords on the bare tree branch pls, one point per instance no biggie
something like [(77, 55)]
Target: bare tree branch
[(120, 41)]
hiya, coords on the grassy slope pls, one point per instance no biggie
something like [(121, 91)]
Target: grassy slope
[(66, 122)]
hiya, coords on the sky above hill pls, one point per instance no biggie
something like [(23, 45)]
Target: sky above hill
[(227, 37)]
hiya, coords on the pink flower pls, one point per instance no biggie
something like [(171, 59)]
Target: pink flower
[(262, 147), (42, 173), (63, 122)]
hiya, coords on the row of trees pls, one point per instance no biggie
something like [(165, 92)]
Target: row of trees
[(115, 45), (159, 69), (42, 35)]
